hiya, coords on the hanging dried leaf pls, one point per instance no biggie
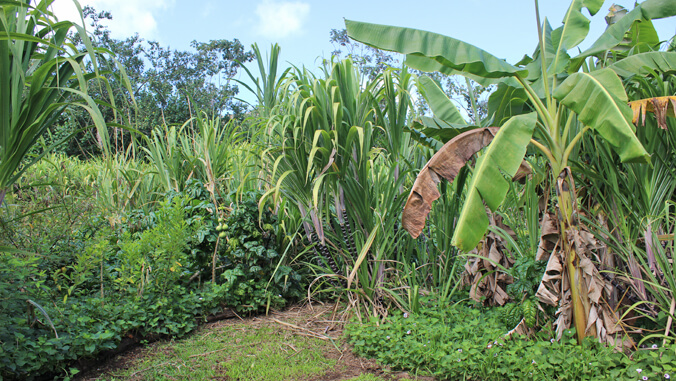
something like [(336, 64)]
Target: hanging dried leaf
[(444, 164), (661, 106), (549, 235), (488, 285)]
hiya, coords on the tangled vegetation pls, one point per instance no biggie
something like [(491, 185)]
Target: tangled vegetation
[(547, 253)]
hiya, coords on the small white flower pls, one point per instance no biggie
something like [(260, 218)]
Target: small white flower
[(552, 340), (460, 350), (654, 346), (667, 376), (533, 362), (639, 370), (408, 332), (387, 337), (495, 355), (645, 378), (490, 346), (495, 343), (405, 315), (424, 345)]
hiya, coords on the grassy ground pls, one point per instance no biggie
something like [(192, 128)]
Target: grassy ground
[(298, 344)]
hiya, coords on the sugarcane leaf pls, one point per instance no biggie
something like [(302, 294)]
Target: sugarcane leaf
[(599, 100), (502, 158)]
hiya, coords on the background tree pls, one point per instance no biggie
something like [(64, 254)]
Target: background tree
[(164, 86)]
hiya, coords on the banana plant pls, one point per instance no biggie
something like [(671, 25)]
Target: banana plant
[(563, 104), (41, 74)]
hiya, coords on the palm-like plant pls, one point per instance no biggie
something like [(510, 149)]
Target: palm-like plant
[(41, 74), (566, 104)]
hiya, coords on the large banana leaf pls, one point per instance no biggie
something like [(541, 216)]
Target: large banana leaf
[(489, 183), (643, 64), (447, 51), (446, 164), (505, 102), (599, 100), (614, 34), (575, 25), (430, 65), (435, 128), (573, 31), (440, 104)]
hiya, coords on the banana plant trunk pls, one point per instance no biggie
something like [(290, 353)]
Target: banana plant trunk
[(568, 226)]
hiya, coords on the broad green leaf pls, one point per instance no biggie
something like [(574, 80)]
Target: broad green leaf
[(429, 65), (643, 64), (573, 31), (534, 67), (440, 104), (614, 34), (658, 9), (489, 184), (599, 100), (505, 102), (447, 51), (442, 132)]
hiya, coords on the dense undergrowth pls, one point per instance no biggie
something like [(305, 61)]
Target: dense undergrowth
[(464, 341), (558, 211), (145, 277)]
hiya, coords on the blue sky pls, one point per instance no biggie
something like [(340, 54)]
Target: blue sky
[(506, 29)]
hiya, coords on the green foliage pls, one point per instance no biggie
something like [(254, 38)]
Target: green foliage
[(162, 86), (41, 75), (255, 274), (154, 258), (123, 276), (463, 342), (527, 273)]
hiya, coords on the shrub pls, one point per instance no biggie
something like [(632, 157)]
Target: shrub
[(464, 342), (256, 275)]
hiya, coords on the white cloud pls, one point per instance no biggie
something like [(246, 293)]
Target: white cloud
[(129, 16), (278, 20)]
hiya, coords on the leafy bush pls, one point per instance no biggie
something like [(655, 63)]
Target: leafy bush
[(256, 275), (463, 342)]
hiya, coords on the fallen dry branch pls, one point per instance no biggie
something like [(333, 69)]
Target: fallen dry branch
[(303, 331)]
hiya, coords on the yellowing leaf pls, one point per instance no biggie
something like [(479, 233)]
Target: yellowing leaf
[(661, 106)]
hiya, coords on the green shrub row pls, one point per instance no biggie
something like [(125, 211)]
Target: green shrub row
[(145, 278), (465, 342)]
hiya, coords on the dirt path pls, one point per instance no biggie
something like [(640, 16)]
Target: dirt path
[(307, 337)]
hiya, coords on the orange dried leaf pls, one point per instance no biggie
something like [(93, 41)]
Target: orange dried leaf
[(444, 164), (660, 106)]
